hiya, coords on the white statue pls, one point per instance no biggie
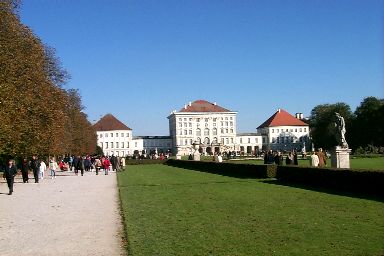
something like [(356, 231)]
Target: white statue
[(340, 131)]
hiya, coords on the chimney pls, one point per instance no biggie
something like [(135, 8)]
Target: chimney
[(299, 116), (278, 110), (190, 103), (214, 103), (185, 106)]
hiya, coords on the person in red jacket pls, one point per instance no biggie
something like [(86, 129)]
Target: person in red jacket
[(106, 165)]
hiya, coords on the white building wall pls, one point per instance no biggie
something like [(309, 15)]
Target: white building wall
[(116, 142), (207, 128), (246, 142), (285, 138)]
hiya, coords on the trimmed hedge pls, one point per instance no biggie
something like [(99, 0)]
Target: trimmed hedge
[(366, 181), (227, 169), (143, 161), (352, 180)]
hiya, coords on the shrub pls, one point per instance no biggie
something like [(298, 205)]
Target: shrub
[(366, 181), (143, 161), (227, 169)]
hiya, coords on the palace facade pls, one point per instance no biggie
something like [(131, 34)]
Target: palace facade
[(208, 127)]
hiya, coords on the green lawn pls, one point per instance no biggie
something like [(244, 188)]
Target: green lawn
[(357, 163), (172, 211)]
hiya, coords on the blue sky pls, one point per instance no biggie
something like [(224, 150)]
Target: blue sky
[(139, 60)]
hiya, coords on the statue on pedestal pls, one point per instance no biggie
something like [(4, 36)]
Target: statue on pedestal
[(340, 131)]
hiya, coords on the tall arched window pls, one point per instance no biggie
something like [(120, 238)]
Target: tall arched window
[(206, 141), (198, 132), (198, 140), (214, 131), (206, 132)]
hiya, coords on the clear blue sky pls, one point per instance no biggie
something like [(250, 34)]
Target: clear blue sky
[(139, 60)]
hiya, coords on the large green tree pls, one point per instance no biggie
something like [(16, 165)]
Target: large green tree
[(322, 123), (368, 126)]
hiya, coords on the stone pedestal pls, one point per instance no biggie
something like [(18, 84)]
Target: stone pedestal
[(178, 156), (196, 156), (340, 157)]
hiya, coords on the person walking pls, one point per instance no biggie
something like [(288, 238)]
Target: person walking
[(295, 160), (80, 165), (289, 159), (53, 167), (43, 168), (34, 166), (322, 158), (9, 174), (106, 165), (314, 160), (24, 170), (97, 165)]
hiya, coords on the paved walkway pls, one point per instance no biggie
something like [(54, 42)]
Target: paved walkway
[(69, 215)]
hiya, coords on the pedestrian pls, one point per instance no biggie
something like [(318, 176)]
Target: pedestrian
[(322, 158), (289, 159), (106, 165), (97, 165), (75, 162), (53, 167), (34, 165), (295, 161), (122, 163), (43, 168), (314, 159), (278, 158), (9, 174), (24, 170), (80, 166)]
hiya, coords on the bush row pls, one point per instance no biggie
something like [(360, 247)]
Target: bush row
[(370, 181), (351, 180), (143, 161), (227, 169)]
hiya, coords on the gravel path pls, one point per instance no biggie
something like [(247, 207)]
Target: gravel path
[(69, 215)]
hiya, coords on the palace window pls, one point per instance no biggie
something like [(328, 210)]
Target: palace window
[(198, 132), (241, 140), (206, 131), (214, 131)]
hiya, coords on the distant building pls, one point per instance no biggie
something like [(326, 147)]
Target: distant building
[(249, 143), (154, 144), (284, 132), (114, 137), (207, 124)]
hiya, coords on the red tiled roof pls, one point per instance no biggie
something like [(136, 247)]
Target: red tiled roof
[(110, 123), (282, 118), (203, 106)]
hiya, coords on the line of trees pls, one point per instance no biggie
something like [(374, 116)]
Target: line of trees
[(37, 116), (364, 126)]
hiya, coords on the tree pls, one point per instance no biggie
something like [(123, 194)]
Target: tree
[(322, 123), (368, 124), (36, 114)]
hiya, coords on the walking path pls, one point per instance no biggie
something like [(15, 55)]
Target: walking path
[(69, 215)]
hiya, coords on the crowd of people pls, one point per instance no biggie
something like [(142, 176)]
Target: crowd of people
[(76, 164), (318, 158)]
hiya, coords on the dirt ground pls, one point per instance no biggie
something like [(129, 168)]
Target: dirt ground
[(69, 215)]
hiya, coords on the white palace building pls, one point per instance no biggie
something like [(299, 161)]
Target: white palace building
[(208, 126)]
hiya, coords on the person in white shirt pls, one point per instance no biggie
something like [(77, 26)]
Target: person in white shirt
[(42, 168), (314, 159)]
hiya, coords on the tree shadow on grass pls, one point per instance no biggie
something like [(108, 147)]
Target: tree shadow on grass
[(333, 191)]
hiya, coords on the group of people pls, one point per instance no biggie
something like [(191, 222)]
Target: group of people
[(276, 157), (77, 164), (318, 158)]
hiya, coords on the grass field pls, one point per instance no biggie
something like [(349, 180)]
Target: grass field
[(356, 163), (172, 211)]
